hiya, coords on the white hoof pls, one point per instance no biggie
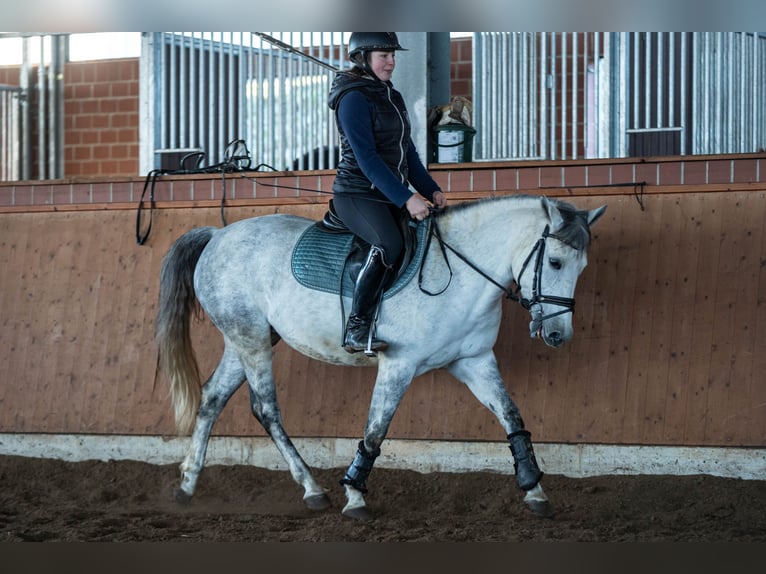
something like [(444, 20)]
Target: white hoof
[(355, 505)]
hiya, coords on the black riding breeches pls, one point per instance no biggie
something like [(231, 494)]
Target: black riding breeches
[(374, 221)]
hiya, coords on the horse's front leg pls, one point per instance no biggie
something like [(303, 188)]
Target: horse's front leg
[(390, 386), (482, 376)]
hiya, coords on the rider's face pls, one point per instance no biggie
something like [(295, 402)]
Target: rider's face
[(383, 64)]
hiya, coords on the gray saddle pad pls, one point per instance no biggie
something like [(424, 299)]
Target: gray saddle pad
[(319, 257)]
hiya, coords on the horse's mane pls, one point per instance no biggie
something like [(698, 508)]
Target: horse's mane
[(575, 231)]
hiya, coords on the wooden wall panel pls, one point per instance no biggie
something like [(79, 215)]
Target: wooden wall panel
[(669, 347)]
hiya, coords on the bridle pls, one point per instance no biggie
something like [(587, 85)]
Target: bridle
[(537, 282), (514, 294)]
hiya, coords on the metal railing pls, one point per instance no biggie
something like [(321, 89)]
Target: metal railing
[(590, 95), (10, 133), (34, 110), (204, 90), (536, 96)]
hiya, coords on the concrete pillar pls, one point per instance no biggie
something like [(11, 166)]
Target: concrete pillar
[(423, 77)]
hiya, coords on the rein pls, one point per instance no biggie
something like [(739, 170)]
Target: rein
[(514, 295)]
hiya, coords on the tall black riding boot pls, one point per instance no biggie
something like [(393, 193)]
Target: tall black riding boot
[(367, 295)]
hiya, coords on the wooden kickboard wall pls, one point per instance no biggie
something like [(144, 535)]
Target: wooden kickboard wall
[(669, 346)]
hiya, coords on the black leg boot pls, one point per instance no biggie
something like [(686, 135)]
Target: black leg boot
[(367, 295)]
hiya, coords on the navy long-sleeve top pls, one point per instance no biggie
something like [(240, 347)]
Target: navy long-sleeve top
[(354, 112)]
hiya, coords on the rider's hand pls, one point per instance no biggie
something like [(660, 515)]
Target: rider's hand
[(417, 207), (439, 200)]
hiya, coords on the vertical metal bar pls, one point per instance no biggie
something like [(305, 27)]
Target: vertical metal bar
[(684, 83), (534, 72), (597, 44), (647, 123), (212, 108), (543, 118), (41, 98), (258, 103), (231, 110), (173, 101), (243, 87), (744, 72), (702, 92), (26, 120), (635, 121), (554, 89), (499, 93), (718, 87), (494, 83), (672, 79), (183, 94), (575, 99), (585, 122), (728, 134), (194, 108), (276, 103), (513, 86), (52, 109), (290, 142), (757, 108), (221, 85), (5, 135), (660, 75), (203, 91), (161, 67), (564, 84), (622, 86)]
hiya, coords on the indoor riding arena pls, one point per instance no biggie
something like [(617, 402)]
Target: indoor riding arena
[(650, 424)]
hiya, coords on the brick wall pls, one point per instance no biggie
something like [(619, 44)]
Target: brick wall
[(101, 118), (461, 67), (568, 178)]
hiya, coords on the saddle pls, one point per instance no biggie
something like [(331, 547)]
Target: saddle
[(328, 256)]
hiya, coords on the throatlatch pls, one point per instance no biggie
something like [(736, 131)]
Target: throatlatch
[(528, 473), (360, 468)]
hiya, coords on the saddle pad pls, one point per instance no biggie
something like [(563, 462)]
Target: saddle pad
[(319, 258)]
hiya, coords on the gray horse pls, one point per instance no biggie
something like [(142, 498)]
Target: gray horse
[(241, 276)]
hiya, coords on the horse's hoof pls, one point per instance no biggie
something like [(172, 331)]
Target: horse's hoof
[(181, 496), (541, 508), (359, 513), (317, 502)]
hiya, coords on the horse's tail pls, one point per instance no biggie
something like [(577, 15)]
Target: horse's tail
[(177, 304)]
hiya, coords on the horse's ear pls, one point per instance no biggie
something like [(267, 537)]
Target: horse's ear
[(553, 212), (595, 214)]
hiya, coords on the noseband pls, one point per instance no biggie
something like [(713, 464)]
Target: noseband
[(537, 282), (515, 295)]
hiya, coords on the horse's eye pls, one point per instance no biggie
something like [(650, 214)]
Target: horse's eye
[(555, 263)]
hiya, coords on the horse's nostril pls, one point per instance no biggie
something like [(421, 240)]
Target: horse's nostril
[(554, 337)]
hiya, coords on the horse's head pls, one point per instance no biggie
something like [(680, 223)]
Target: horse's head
[(547, 278)]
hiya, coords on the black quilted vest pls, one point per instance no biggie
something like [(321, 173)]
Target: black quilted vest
[(390, 124)]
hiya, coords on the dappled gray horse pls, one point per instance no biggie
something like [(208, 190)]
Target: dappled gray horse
[(241, 276)]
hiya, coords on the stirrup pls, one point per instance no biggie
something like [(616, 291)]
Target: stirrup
[(370, 347)]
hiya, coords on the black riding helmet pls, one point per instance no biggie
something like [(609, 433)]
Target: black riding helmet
[(360, 44)]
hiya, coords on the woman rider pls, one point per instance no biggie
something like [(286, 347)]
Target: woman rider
[(378, 163)]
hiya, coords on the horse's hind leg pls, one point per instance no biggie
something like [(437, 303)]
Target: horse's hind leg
[(227, 378), (263, 398), (481, 375)]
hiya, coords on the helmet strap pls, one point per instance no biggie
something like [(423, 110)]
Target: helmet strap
[(366, 65)]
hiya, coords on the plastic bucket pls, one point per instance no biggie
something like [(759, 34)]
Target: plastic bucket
[(453, 143)]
